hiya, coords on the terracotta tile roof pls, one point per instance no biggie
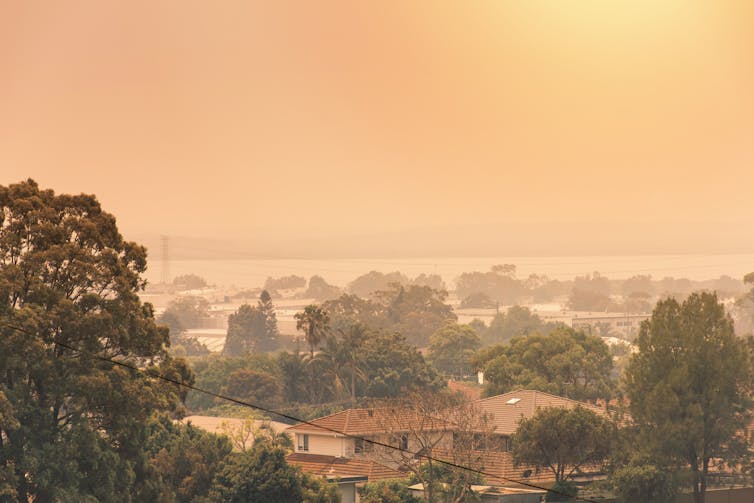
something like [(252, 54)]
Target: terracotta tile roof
[(508, 409), (319, 464), (499, 468), (370, 421)]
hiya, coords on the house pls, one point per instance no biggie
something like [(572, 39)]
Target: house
[(359, 433), (378, 443), (507, 410)]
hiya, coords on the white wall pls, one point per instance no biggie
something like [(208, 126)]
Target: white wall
[(328, 445)]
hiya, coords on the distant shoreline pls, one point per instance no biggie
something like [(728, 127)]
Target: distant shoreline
[(252, 272)]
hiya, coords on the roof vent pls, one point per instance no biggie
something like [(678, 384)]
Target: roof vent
[(370, 413), (513, 401)]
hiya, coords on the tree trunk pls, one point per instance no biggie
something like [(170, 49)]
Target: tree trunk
[(698, 497), (353, 385)]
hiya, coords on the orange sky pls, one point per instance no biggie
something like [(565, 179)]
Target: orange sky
[(285, 118)]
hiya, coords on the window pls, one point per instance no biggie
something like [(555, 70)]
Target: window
[(361, 445), (303, 442)]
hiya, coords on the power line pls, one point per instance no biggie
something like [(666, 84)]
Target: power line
[(293, 418)]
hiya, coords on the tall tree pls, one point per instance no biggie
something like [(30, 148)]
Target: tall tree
[(451, 348), (343, 359), (415, 311), (262, 475), (253, 328), (689, 387), (517, 320), (394, 367), (271, 333), (563, 440), (314, 322), (68, 278)]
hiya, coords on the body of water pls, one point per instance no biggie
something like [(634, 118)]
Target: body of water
[(250, 273)]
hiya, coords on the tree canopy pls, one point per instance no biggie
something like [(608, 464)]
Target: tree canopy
[(189, 282), (563, 440), (451, 348), (564, 362), (73, 427), (253, 328), (689, 387)]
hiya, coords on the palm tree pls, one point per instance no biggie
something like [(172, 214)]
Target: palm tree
[(330, 361), (315, 323), (341, 358), (352, 342)]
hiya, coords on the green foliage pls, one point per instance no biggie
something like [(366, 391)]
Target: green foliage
[(73, 428), (186, 458), (212, 373), (181, 313), (314, 322), (184, 312), (318, 490), (320, 290), (387, 491), (479, 300), (394, 367), (284, 283), (563, 440), (749, 278), (642, 482), (587, 300), (415, 311), (451, 349), (253, 386), (366, 285), (590, 293), (261, 475), (343, 359), (443, 483), (253, 328), (499, 284), (189, 282), (293, 370), (689, 386), (433, 281), (517, 320), (348, 310), (563, 490), (638, 284), (564, 362)]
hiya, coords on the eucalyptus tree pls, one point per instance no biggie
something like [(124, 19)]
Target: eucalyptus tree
[(73, 425)]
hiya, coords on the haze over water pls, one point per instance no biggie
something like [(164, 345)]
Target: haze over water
[(250, 273)]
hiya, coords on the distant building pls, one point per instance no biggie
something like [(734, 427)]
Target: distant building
[(626, 324)]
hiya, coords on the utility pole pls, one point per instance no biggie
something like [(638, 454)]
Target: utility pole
[(165, 259)]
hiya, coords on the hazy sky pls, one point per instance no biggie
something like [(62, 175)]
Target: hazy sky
[(275, 119)]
